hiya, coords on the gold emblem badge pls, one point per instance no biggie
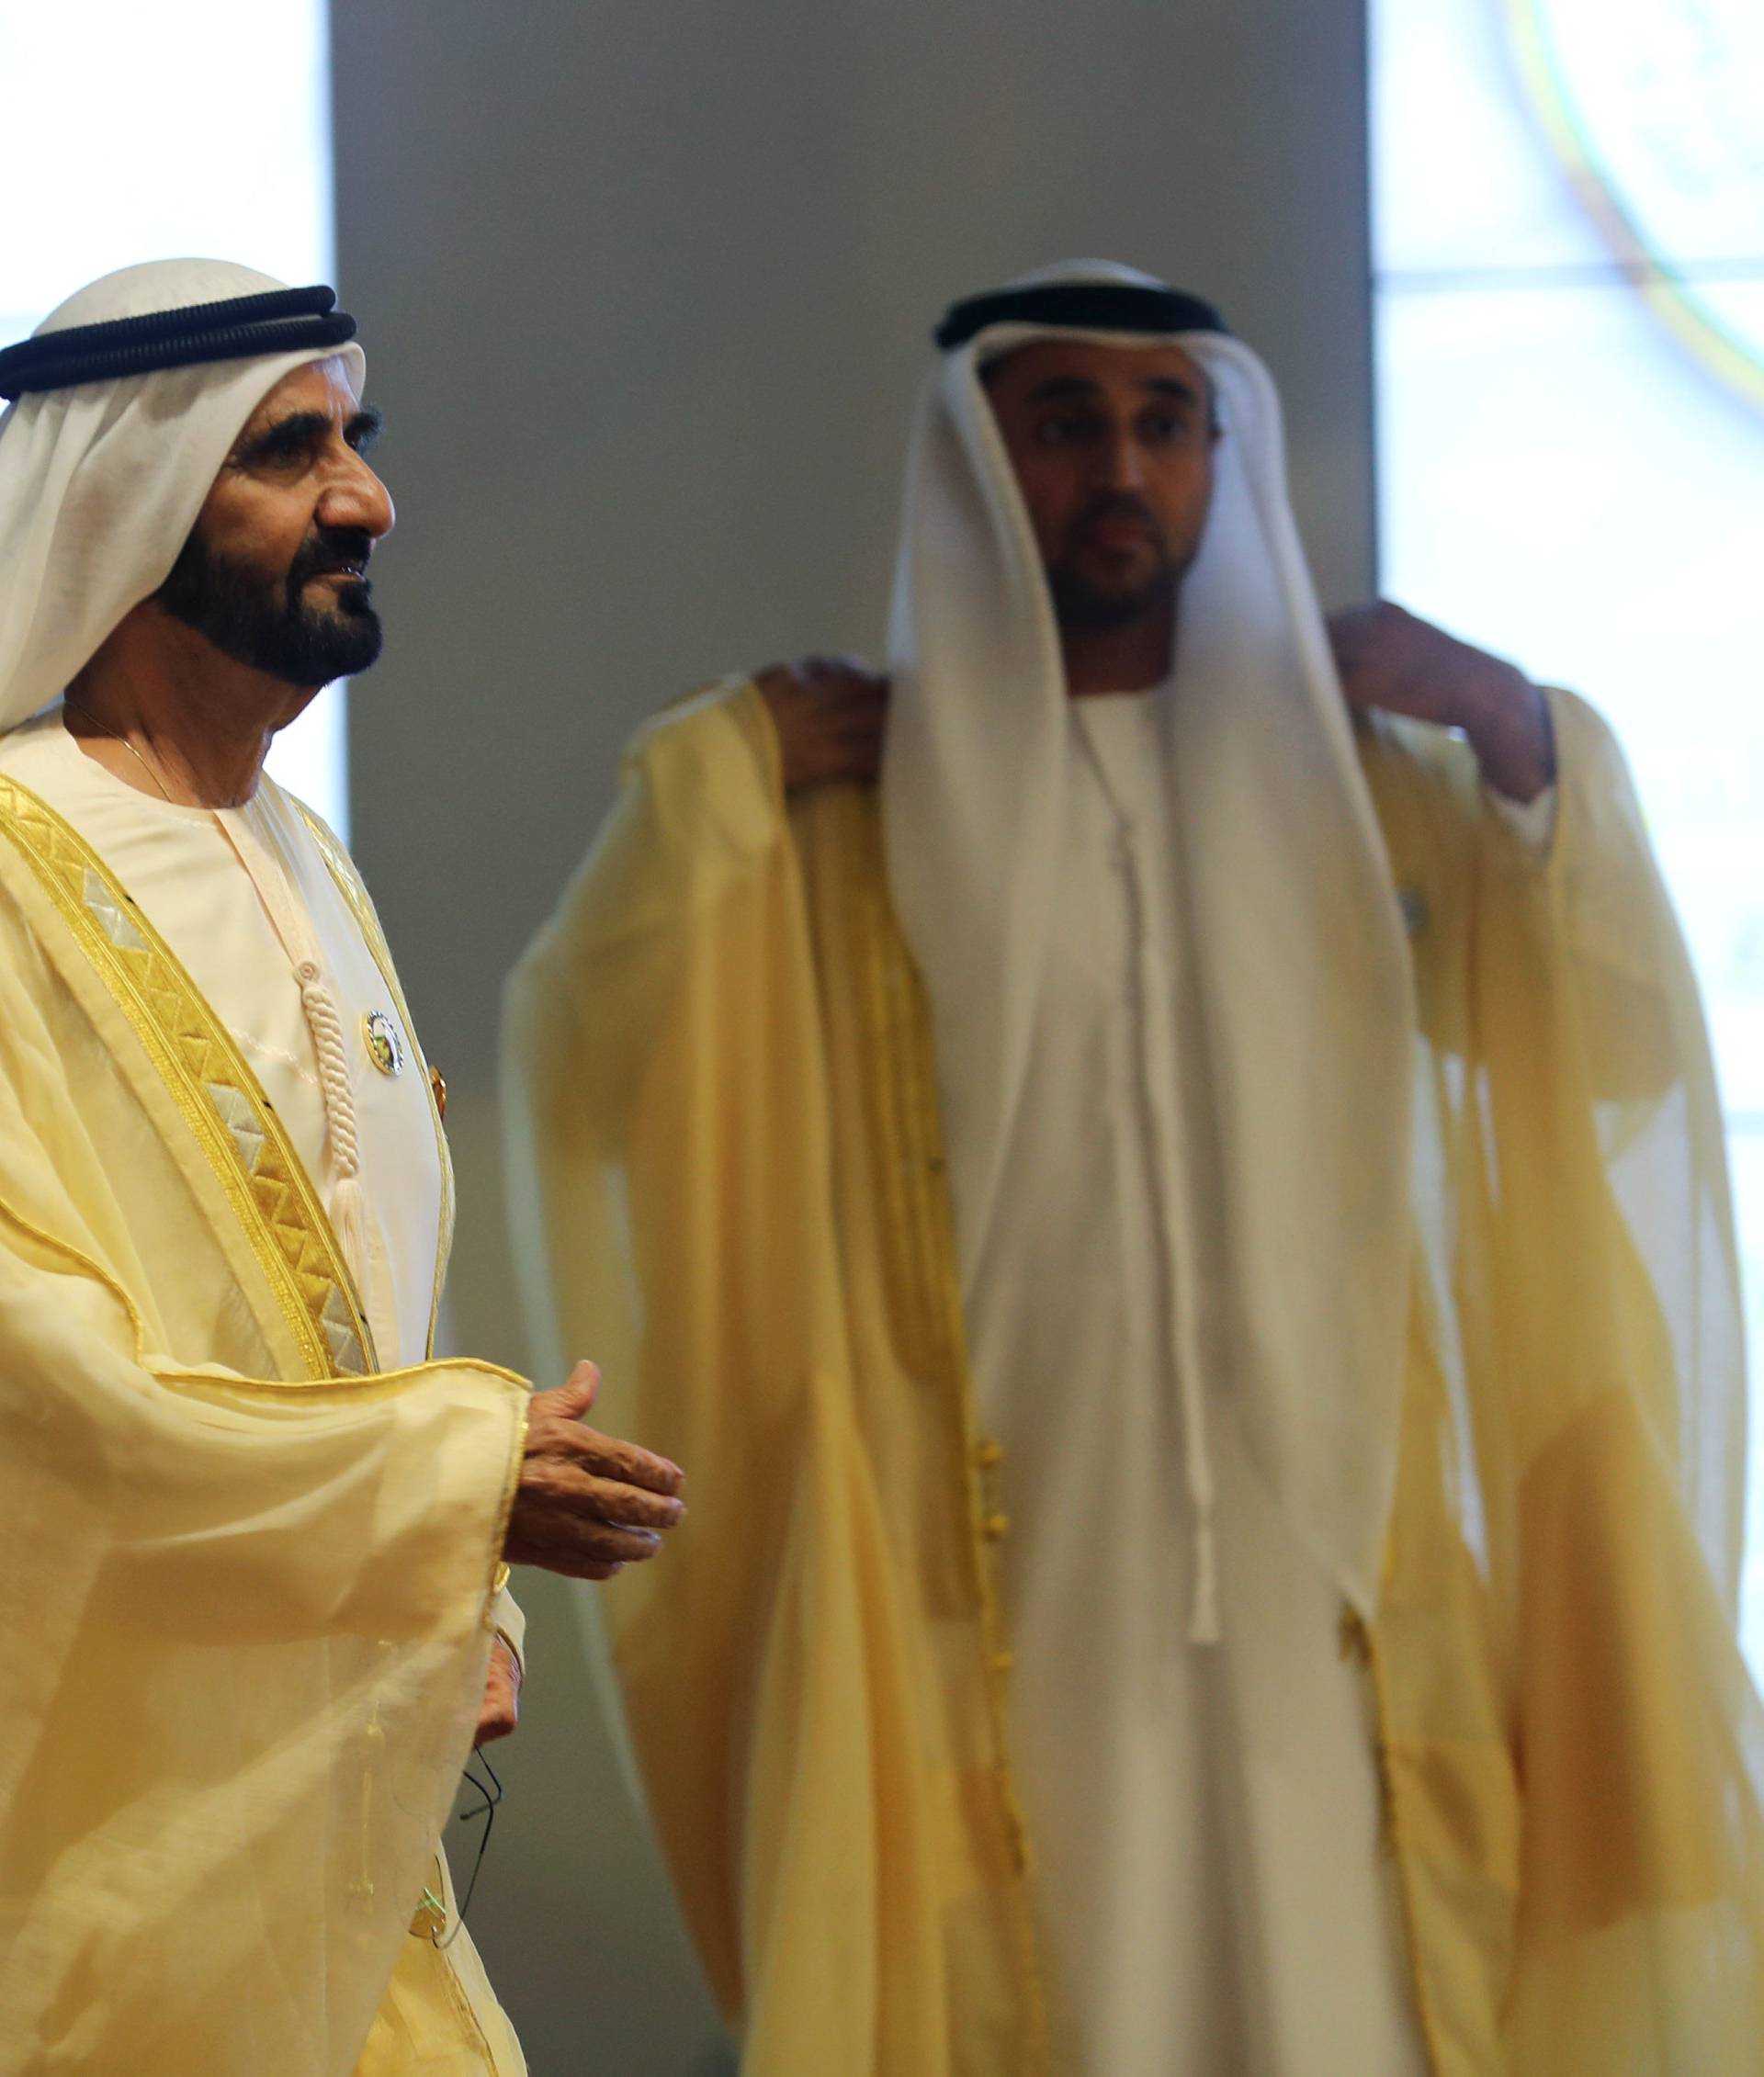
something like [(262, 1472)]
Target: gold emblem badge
[(430, 1919), (385, 1048)]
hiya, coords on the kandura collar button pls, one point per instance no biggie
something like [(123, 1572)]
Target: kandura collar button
[(994, 1527)]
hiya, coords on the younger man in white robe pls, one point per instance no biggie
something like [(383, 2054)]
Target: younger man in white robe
[(1133, 1233), (258, 1536)]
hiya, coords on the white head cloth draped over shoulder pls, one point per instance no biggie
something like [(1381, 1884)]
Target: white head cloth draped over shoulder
[(1290, 915), (101, 481)]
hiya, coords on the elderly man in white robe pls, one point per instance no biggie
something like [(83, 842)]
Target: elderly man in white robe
[(258, 1534), (1177, 1134)]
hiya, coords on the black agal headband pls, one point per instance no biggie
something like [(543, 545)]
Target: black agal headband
[(280, 320), (1078, 306)]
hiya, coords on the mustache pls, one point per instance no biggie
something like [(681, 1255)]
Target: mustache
[(327, 548), (1117, 504)]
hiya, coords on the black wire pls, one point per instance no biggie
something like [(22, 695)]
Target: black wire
[(491, 1791)]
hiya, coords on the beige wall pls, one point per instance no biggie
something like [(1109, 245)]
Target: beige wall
[(645, 287)]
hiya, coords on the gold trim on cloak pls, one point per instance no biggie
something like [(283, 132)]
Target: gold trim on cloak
[(233, 1122), (905, 1125)]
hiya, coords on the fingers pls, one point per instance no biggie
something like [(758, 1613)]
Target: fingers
[(587, 1504), (847, 738), (583, 1386), (558, 1499), (566, 1402), (828, 680), (628, 1463), (500, 1712), (609, 1545), (632, 1507), (554, 1428), (830, 674), (550, 1530), (589, 1548), (858, 764), (828, 712), (640, 1520)]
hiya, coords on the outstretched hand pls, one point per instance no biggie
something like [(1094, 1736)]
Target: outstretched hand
[(828, 712), (1391, 660), (587, 1505)]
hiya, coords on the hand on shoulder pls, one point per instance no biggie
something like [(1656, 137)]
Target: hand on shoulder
[(1396, 661), (828, 712)]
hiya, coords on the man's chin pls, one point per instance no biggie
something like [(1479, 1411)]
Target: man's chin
[(360, 654), (326, 646), (1093, 609)]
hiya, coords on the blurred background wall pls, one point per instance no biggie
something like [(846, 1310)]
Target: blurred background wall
[(646, 292)]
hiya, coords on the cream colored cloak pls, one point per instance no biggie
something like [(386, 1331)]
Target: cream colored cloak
[(251, 1574), (729, 1180)]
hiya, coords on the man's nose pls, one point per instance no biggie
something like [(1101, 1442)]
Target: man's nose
[(356, 497), (1124, 464)]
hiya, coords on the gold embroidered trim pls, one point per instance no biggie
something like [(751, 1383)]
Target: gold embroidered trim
[(232, 1120), (925, 1302), (350, 884), (511, 1485), (1394, 1837), (223, 1387)]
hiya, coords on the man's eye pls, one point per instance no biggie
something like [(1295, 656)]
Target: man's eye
[(1164, 431), (279, 449), (1061, 431)]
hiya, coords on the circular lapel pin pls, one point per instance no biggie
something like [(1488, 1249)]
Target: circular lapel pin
[(385, 1048)]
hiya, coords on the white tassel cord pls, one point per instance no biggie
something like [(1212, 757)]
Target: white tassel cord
[(348, 1210)]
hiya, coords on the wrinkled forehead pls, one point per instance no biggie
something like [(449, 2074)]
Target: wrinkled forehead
[(331, 385)]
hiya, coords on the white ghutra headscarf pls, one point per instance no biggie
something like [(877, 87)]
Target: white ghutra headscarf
[(1290, 915), (101, 481)]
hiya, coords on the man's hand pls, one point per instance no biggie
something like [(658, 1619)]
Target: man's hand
[(501, 1708), (587, 1505), (828, 712), (1390, 659)]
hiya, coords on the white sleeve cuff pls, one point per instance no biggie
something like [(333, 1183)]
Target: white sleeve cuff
[(508, 1620)]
